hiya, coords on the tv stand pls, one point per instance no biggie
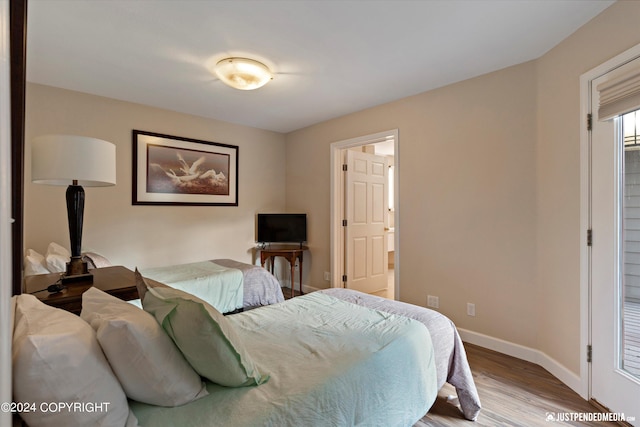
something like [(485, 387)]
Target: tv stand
[(290, 254)]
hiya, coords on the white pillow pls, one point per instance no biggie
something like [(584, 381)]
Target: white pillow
[(56, 358), (55, 248), (34, 263), (57, 257), (149, 366)]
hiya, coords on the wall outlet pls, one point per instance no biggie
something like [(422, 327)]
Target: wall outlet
[(471, 309), (433, 302), (327, 276)]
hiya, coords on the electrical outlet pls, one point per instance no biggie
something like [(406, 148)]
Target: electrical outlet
[(433, 302), (327, 276), (471, 309)]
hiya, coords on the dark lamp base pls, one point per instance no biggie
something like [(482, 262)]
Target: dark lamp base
[(77, 271)]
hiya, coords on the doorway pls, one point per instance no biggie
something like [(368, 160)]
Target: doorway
[(384, 145), (611, 166)]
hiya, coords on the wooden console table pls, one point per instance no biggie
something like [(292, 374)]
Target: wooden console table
[(117, 280), (290, 254)]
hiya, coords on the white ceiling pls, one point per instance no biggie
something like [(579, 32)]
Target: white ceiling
[(330, 58)]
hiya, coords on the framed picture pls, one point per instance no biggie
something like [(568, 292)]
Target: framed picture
[(171, 170)]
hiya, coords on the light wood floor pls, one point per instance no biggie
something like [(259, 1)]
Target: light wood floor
[(512, 392)]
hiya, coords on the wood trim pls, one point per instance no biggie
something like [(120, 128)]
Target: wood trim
[(600, 407), (18, 54)]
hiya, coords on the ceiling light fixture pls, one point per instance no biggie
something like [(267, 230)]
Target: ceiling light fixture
[(243, 73)]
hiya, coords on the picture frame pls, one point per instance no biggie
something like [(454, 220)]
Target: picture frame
[(173, 170)]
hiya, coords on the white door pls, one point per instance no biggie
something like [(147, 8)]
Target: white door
[(366, 211), (613, 381)]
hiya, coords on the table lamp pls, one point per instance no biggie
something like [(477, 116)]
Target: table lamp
[(74, 161)]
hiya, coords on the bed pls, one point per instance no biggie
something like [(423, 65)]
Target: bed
[(450, 357), (330, 364), (227, 284), (260, 286), (279, 331), (322, 361)]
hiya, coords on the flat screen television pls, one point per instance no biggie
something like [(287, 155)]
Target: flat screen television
[(281, 228)]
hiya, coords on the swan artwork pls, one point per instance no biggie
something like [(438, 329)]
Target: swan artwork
[(189, 173), (190, 178), (189, 170)]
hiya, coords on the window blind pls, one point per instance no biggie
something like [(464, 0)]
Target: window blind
[(620, 93)]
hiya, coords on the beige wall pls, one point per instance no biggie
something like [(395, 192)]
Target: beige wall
[(489, 190), (558, 171), (466, 163), (148, 236)]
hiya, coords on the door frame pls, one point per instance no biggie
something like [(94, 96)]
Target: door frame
[(337, 203), (585, 209), (6, 227)]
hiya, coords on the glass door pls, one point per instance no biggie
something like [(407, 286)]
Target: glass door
[(615, 261), (629, 294)]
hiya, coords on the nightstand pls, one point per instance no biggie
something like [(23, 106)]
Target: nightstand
[(290, 254), (117, 280)]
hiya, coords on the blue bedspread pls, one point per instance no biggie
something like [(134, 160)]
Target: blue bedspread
[(331, 364)]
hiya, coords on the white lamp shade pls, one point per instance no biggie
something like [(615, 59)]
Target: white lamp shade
[(61, 159)]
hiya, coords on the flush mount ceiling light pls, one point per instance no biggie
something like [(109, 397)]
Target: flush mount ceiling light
[(243, 73)]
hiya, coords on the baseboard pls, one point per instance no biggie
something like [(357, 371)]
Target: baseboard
[(305, 288), (538, 357)]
